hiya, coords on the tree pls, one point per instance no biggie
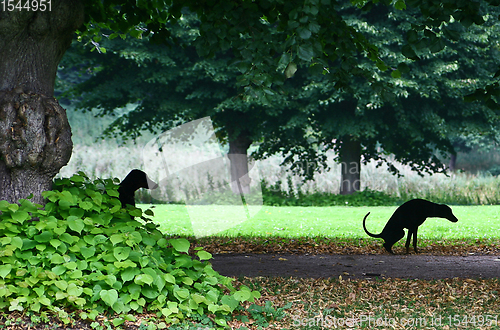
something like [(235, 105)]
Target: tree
[(169, 86), (411, 113), (35, 137)]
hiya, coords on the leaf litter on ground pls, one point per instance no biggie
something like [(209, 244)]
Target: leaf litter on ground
[(324, 245)]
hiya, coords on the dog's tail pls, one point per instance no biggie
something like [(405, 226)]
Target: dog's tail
[(366, 230)]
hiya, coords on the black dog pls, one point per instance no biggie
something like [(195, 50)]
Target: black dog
[(134, 180), (410, 215)]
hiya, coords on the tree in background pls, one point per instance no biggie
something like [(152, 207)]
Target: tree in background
[(412, 113), (169, 86)]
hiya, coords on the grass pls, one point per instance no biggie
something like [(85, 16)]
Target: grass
[(475, 222)]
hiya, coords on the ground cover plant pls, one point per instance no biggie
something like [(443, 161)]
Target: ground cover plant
[(83, 252)]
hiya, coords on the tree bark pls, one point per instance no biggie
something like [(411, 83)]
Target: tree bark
[(350, 157), (240, 181), (453, 162), (35, 136)]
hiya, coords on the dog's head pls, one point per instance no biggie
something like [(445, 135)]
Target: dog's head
[(448, 214), (138, 179)]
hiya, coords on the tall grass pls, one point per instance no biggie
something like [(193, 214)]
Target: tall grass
[(110, 158)]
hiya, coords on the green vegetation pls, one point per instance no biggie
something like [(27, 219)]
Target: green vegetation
[(475, 222), (87, 253)]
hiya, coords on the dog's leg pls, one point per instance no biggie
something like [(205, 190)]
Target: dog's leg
[(415, 240), (388, 248), (411, 233), (408, 238)]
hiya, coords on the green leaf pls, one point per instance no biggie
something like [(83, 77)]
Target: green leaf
[(304, 33), (109, 296), (67, 238), (396, 74), (63, 285), (74, 290), (87, 252), (129, 274), (403, 68), (4, 206), (75, 223), (77, 178), (305, 52), (20, 216), (135, 212), (382, 66), (124, 264), (408, 52), (59, 270), (400, 5), (412, 36), (113, 192), (118, 321), (437, 46), (77, 212), (169, 278), (85, 205), (180, 244), (44, 237), (5, 270), (162, 242), (57, 259), (17, 242), (5, 240), (181, 294), (142, 279), (203, 255), (121, 253), (116, 238), (242, 295)]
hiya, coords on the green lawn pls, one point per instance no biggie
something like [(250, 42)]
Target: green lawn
[(340, 222)]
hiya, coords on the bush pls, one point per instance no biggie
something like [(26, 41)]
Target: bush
[(83, 251), (274, 197)]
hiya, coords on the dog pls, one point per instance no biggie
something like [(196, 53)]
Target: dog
[(410, 215), (134, 180)]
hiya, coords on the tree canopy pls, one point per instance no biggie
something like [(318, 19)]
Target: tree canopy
[(410, 110)]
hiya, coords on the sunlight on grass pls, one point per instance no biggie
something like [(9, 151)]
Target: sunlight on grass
[(341, 222)]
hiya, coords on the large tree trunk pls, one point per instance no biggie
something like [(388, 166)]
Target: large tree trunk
[(35, 136), (350, 157), (240, 181)]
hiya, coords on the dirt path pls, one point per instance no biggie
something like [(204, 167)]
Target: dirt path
[(357, 266)]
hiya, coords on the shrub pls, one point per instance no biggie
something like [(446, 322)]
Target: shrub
[(82, 250), (274, 197)]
